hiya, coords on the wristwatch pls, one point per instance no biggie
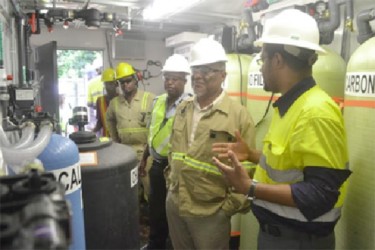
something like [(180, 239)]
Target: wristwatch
[(251, 194)]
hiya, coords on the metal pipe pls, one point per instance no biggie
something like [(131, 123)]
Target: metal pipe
[(244, 42), (20, 48), (327, 28), (363, 24)]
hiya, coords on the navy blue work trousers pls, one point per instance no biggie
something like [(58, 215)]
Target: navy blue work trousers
[(158, 193)]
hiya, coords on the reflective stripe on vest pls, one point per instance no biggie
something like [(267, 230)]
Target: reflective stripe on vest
[(203, 166), (293, 176), (144, 101), (160, 127), (143, 109), (103, 110)]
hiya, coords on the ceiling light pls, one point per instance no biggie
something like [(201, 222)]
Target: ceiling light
[(162, 9)]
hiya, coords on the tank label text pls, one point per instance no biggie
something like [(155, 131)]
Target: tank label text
[(70, 177), (133, 177), (255, 80), (360, 84)]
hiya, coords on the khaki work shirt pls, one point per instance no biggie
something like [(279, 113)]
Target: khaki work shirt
[(200, 187), (127, 122)]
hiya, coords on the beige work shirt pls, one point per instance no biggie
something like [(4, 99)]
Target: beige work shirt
[(200, 187), (127, 122)]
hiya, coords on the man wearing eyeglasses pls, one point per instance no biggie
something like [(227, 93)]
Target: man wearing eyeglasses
[(300, 181), (175, 73), (129, 113), (199, 202)]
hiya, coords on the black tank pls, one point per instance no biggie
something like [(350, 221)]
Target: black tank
[(109, 191)]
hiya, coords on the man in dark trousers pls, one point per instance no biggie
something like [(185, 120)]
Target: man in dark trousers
[(175, 72)]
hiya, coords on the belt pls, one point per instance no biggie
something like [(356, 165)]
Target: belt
[(162, 161), (281, 231)]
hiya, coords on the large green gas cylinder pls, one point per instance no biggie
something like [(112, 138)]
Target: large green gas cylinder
[(356, 227), (235, 83), (329, 73)]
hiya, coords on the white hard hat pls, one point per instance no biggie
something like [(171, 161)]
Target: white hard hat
[(207, 51), (176, 63), (291, 27)]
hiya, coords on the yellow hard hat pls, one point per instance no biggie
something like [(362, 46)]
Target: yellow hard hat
[(124, 70), (108, 75)]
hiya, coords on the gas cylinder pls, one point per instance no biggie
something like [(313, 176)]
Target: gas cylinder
[(329, 73), (110, 192), (62, 159), (356, 227), (235, 83)]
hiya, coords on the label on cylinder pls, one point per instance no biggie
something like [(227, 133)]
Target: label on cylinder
[(360, 84), (255, 80), (70, 177)]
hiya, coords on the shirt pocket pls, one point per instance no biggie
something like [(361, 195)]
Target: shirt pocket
[(275, 153), (216, 136)]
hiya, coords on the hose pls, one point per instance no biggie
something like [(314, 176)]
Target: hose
[(28, 133), (16, 159)]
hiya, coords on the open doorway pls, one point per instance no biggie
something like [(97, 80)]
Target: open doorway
[(77, 70)]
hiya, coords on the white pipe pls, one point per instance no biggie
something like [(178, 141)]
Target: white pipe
[(4, 142), (16, 159), (28, 133)]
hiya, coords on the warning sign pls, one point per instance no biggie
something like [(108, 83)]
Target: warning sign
[(360, 84)]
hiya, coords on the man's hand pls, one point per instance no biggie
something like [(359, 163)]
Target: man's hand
[(235, 175), (240, 148)]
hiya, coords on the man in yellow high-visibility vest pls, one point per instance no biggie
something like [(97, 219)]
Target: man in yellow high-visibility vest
[(175, 73), (299, 185)]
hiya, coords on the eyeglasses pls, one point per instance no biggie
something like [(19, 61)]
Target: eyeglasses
[(110, 84), (204, 70), (125, 80)]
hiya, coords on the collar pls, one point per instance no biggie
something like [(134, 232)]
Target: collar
[(214, 103), (182, 97), (286, 100), (222, 103), (138, 96)]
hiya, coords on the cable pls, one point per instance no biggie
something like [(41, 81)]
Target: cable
[(147, 74), (267, 109), (241, 79)]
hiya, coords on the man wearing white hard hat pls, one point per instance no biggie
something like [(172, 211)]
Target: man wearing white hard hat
[(175, 73), (299, 185), (199, 202)]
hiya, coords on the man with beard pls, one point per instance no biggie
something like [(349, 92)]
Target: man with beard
[(200, 203), (299, 184)]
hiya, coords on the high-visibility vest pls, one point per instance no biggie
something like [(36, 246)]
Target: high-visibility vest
[(291, 133), (160, 127)]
